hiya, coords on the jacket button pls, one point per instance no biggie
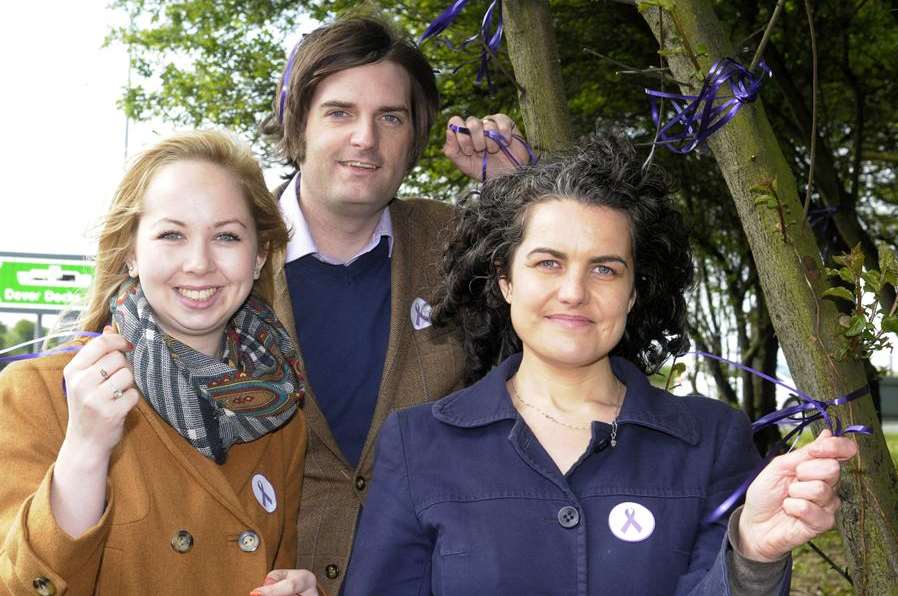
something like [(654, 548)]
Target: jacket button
[(568, 516), (360, 482), (43, 586), (248, 541), (182, 542), (332, 571)]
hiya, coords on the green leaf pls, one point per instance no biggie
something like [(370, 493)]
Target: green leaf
[(890, 324), (839, 292), (872, 280), (888, 265), (858, 324)]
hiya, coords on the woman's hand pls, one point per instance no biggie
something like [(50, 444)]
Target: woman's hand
[(288, 582), (466, 150), (100, 392), (793, 499)]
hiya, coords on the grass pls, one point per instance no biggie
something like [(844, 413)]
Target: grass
[(811, 575)]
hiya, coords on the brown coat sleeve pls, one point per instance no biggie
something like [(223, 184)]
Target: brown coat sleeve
[(32, 427)]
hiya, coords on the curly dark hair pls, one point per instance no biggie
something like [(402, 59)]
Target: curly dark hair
[(489, 226)]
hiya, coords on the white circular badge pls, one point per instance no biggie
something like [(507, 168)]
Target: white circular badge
[(420, 314), (264, 492), (631, 522)]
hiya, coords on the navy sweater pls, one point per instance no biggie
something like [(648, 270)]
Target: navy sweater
[(342, 317)]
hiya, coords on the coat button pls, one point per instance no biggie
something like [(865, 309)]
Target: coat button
[(332, 571), (182, 542), (248, 541), (568, 516), (43, 586), (360, 483)]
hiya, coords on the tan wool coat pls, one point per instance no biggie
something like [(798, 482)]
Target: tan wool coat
[(421, 365), (175, 521)]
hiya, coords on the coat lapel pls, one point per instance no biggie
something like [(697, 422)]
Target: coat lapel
[(205, 471)]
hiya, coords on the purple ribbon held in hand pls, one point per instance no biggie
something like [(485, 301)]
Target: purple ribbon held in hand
[(697, 117), (504, 145), (491, 41), (806, 411), (58, 350)]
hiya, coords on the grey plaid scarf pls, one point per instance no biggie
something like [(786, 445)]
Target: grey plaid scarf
[(254, 388)]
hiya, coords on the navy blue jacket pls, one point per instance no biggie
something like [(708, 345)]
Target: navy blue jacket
[(465, 500)]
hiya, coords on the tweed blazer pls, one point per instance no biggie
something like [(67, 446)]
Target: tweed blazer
[(421, 365), (162, 497)]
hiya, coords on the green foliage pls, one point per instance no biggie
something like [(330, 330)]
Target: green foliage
[(864, 331), (21, 331)]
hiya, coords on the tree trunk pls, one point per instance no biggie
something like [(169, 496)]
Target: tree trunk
[(791, 274), (537, 68)]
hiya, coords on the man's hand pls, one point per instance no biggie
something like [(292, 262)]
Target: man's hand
[(467, 150), (793, 499)]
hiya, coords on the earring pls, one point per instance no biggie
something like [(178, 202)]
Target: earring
[(132, 270), (257, 273)]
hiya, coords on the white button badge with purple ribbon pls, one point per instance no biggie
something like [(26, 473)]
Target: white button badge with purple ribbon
[(631, 522), (264, 492), (420, 314)]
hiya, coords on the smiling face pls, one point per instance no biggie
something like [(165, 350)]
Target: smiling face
[(571, 282), (358, 137), (196, 251)]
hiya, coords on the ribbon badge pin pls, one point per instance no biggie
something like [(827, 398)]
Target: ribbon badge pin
[(264, 493), (631, 522), (420, 314)]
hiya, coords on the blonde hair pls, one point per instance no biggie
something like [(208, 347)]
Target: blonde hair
[(119, 227)]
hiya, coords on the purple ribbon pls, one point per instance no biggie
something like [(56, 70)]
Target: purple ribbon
[(59, 350), (491, 41), (697, 117), (797, 414), (285, 82), (504, 145), (631, 521)]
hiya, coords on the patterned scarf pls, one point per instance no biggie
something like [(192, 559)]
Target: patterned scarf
[(254, 388)]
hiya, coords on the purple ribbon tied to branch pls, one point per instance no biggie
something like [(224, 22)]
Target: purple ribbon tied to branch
[(804, 412), (491, 40), (503, 146), (699, 116), (285, 83)]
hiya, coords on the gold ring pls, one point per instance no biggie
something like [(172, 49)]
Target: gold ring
[(103, 373), (117, 394)]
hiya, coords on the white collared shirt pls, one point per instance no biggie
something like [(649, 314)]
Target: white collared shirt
[(302, 243)]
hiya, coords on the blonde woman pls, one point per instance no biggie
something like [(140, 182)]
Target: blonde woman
[(165, 455)]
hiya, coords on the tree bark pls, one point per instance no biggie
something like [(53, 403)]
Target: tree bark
[(537, 68), (791, 274)]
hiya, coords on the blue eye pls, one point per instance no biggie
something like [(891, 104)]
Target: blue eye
[(170, 236), (392, 119), (605, 271), (337, 114), (229, 237), (548, 264)]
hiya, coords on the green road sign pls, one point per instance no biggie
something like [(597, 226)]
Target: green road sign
[(43, 283)]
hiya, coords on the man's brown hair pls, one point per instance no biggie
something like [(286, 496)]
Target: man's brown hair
[(347, 43)]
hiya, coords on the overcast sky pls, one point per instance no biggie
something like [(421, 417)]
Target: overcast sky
[(63, 149)]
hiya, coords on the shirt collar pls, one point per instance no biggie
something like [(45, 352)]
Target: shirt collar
[(487, 401), (301, 242)]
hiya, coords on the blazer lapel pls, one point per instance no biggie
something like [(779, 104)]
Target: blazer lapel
[(283, 309), (401, 287)]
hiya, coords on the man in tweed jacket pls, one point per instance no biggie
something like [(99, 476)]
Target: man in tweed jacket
[(353, 113)]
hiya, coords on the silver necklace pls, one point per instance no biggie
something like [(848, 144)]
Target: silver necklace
[(620, 400)]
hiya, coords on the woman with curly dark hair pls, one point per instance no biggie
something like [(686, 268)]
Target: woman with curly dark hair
[(561, 470)]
